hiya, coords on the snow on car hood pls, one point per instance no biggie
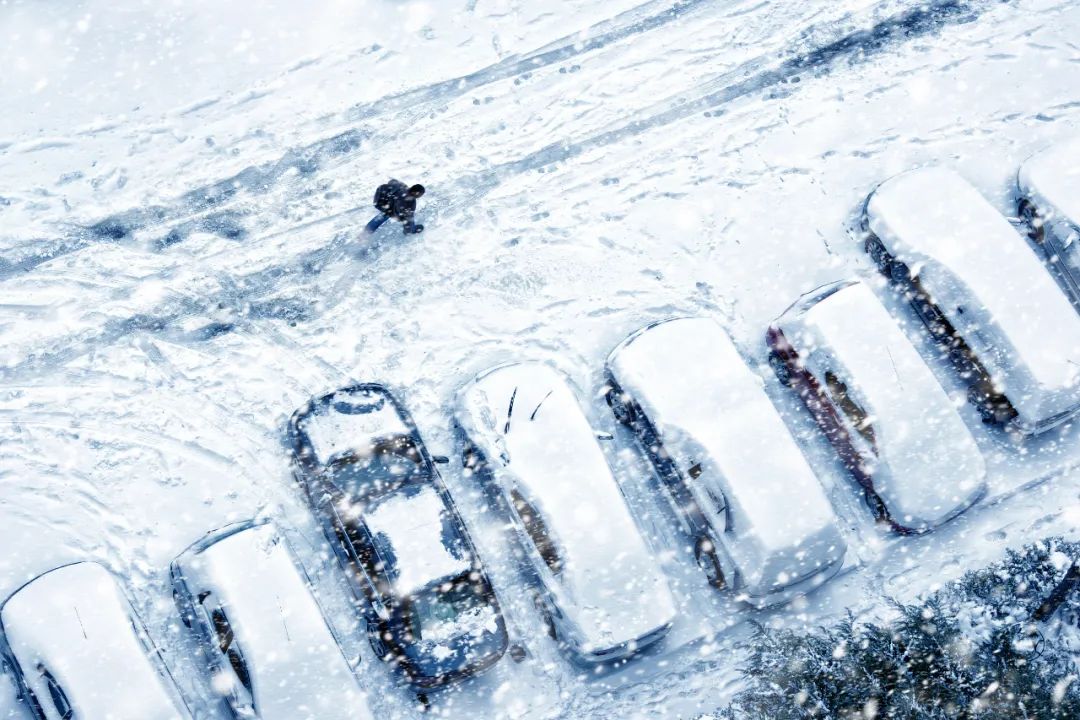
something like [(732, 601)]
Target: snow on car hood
[(297, 670), (74, 623), (928, 464), (693, 385), (610, 586), (932, 215)]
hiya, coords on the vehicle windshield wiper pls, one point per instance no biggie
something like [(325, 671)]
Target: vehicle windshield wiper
[(510, 411), (537, 408)]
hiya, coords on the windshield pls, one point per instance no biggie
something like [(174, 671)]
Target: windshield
[(384, 465), (449, 609)]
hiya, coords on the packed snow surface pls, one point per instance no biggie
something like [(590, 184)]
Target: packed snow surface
[(181, 268)]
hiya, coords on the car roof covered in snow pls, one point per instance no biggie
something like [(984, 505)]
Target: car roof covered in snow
[(928, 466), (352, 419), (1052, 179), (416, 533), (609, 586), (967, 254), (297, 670), (693, 385), (74, 623)]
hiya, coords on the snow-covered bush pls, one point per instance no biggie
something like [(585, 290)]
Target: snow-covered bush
[(975, 649)]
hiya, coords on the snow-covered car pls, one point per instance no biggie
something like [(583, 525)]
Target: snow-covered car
[(272, 654), (881, 407), (982, 293), (1048, 192), (78, 650), (431, 609), (746, 496), (601, 590)]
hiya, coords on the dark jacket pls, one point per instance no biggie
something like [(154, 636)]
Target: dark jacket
[(393, 198)]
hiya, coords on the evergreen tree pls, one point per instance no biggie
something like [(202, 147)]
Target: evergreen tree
[(986, 646)]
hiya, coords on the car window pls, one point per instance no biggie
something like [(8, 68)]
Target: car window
[(854, 412), (56, 694), (386, 464), (227, 644), (537, 531), (439, 612)]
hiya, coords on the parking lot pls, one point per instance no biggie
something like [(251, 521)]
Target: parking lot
[(146, 383)]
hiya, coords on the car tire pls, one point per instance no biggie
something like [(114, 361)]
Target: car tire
[(625, 413), (182, 608), (877, 507), (1035, 229), (982, 402), (879, 255), (545, 616), (705, 555), (378, 645), (899, 273), (780, 368)]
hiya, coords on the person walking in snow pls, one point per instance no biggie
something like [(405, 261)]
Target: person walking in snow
[(394, 200)]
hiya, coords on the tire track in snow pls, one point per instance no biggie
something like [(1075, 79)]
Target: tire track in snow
[(753, 78), (256, 179)]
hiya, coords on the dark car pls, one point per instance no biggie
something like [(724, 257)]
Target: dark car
[(429, 605)]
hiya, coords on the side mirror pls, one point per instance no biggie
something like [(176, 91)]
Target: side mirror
[(440, 459)]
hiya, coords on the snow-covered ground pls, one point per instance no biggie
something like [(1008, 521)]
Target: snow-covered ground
[(181, 194)]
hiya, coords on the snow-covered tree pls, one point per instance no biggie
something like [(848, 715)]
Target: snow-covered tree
[(986, 646)]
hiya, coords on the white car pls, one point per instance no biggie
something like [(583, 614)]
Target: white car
[(272, 654), (603, 593), (879, 404), (1048, 190), (756, 512), (79, 651), (982, 293)]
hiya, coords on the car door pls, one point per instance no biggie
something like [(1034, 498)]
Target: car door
[(356, 549), (543, 547), (56, 699), (702, 479), (229, 657)]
